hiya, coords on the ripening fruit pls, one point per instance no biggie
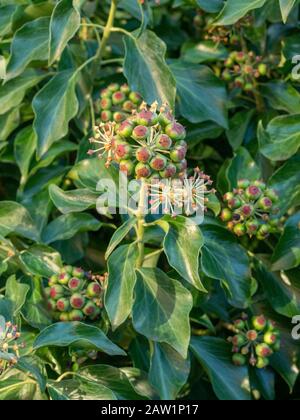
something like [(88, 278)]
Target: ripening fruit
[(105, 104), (126, 166), (253, 192), (63, 278), (226, 215), (126, 128), (272, 195), (240, 57), (240, 229), (56, 292), (77, 301), (51, 304), (113, 87), (143, 154), (75, 315), (163, 142), (146, 118), (119, 117), (63, 305), (158, 163), (64, 317), (165, 118), (252, 227), (47, 292), (118, 98), (226, 75), (78, 272), (228, 196), (249, 87), (239, 360), (238, 340), (181, 166), (75, 284), (247, 210), (259, 322), (175, 131), (53, 280), (135, 97), (106, 116), (270, 338), (252, 335), (178, 153), (125, 89), (89, 309), (169, 171), (140, 133), (264, 231), (93, 289), (239, 82), (262, 362), (128, 106), (263, 350), (142, 170), (243, 183), (263, 69), (239, 324), (123, 150), (234, 203)]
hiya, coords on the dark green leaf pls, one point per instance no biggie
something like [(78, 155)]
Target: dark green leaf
[(16, 293), (8, 123), (287, 252), (79, 389), (282, 96), (286, 7), (119, 235), (234, 10), (24, 148), (41, 260), (72, 201), (14, 218), (6, 17), (205, 51)]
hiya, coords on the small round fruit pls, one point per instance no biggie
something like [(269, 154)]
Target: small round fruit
[(140, 133), (128, 106), (143, 154), (239, 82), (47, 292), (259, 322), (226, 215), (262, 362), (169, 171), (51, 305), (135, 97), (238, 340), (64, 278), (75, 315), (126, 128), (158, 163), (239, 360), (234, 203), (240, 229), (227, 76), (239, 324), (175, 131), (181, 166), (63, 305), (166, 118), (77, 301), (252, 335), (118, 98), (106, 116), (75, 284), (263, 69), (228, 196), (253, 192), (119, 117), (252, 227), (146, 118), (270, 338), (178, 153), (105, 104), (94, 289), (126, 166), (272, 195), (64, 317), (113, 87), (243, 183), (123, 150), (125, 89), (56, 292), (89, 309), (78, 272), (163, 142), (142, 170), (265, 203)]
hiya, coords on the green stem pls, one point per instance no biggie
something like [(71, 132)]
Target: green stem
[(64, 375), (108, 28), (140, 227)]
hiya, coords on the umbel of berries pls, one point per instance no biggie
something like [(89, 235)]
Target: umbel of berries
[(118, 102), (9, 344), (255, 341), (149, 144), (73, 295), (251, 209)]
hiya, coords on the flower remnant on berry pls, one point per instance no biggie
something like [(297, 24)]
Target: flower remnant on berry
[(9, 344)]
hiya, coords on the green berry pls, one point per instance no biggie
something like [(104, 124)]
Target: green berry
[(118, 98), (262, 362), (75, 315), (75, 284), (239, 324), (113, 87), (264, 231), (253, 192), (252, 227), (142, 170), (47, 292), (240, 229), (95, 314), (243, 183), (126, 128), (181, 166), (247, 210), (94, 289), (158, 163), (119, 117), (135, 98), (270, 338), (63, 305), (263, 350), (106, 93), (226, 75), (51, 304), (64, 317), (259, 322), (226, 215), (53, 280), (64, 278), (105, 104), (146, 118), (240, 57), (89, 309), (143, 154), (123, 150), (263, 69), (272, 195), (169, 171), (265, 203), (165, 118), (78, 272), (126, 166), (249, 87), (125, 89), (234, 203), (238, 340), (252, 335), (128, 106), (140, 133), (56, 292), (239, 360), (163, 142), (239, 82), (106, 116), (175, 131), (77, 301), (228, 196), (178, 153)]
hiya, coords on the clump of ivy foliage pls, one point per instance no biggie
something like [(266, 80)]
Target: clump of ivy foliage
[(172, 298)]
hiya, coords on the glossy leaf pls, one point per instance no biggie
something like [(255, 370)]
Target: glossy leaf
[(6, 17), (8, 123), (72, 201), (24, 149), (120, 234), (16, 292), (234, 10), (287, 252), (14, 218), (41, 260), (286, 7)]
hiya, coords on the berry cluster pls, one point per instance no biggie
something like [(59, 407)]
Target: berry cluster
[(9, 348), (118, 102), (255, 341), (149, 144), (242, 70), (74, 295), (251, 209)]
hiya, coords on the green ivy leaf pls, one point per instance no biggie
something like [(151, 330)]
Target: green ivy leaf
[(64, 334), (119, 235), (65, 22), (286, 7), (185, 259), (24, 149), (229, 382), (201, 95), (210, 6), (234, 10), (282, 96), (16, 292), (14, 218), (72, 201), (54, 106), (8, 123), (78, 389), (29, 44), (6, 18), (146, 70), (41, 260), (161, 309), (238, 126), (201, 52), (121, 282)]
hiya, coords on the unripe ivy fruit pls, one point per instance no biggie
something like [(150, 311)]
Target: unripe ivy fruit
[(142, 170), (75, 315), (106, 116), (264, 231), (146, 118), (93, 289), (143, 154), (239, 324), (259, 322), (265, 203), (238, 340), (47, 291), (56, 292), (105, 104), (68, 269), (228, 196), (263, 70), (240, 229), (78, 272), (234, 203), (181, 166), (272, 195), (119, 117), (243, 183), (226, 215), (252, 227), (247, 210), (125, 89), (53, 280), (113, 87), (158, 163), (277, 346), (253, 192), (75, 284), (77, 301), (51, 304), (252, 335), (63, 278), (89, 309), (128, 106), (239, 82), (169, 171), (118, 98), (175, 131), (125, 129), (270, 338), (263, 350), (123, 150), (95, 314), (134, 97), (140, 133), (63, 305), (126, 166), (239, 359), (163, 142), (262, 363), (64, 317), (178, 153), (226, 75), (240, 57), (165, 118)]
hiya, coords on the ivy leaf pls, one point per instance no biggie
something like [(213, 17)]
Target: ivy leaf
[(146, 70), (282, 96), (161, 309), (201, 95), (185, 259), (8, 123), (41, 260), (63, 334), (121, 282), (16, 292), (229, 382), (72, 201), (65, 22), (119, 235), (286, 7), (234, 10), (24, 148), (6, 18), (14, 218), (210, 6), (54, 106), (29, 44)]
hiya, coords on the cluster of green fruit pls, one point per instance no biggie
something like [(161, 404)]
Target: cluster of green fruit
[(251, 209), (255, 341), (117, 103), (243, 69), (9, 348), (149, 144), (74, 295)]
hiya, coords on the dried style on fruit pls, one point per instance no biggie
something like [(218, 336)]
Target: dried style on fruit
[(9, 344)]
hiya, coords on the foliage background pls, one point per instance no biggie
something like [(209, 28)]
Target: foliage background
[(56, 57)]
